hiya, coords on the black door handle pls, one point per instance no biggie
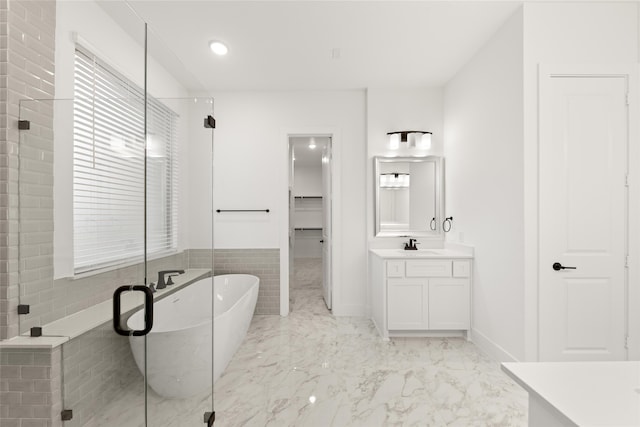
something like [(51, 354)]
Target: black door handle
[(321, 241), (557, 267), (148, 311)]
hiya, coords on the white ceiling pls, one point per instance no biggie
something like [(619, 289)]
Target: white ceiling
[(289, 45)]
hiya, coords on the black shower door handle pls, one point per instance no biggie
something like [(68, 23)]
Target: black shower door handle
[(148, 310)]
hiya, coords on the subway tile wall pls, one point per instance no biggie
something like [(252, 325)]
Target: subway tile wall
[(67, 296), (98, 366), (264, 263), (30, 388), (27, 34)]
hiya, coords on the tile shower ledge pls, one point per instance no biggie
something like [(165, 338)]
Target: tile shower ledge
[(57, 333)]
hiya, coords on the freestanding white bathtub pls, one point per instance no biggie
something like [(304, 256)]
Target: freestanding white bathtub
[(179, 345)]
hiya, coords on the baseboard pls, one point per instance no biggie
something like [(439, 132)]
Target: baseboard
[(490, 348), (380, 331), (349, 310)]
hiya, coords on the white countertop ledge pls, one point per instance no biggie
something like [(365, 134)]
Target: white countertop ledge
[(60, 331), (420, 254), (585, 393)]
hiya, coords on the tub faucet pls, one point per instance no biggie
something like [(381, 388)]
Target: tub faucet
[(161, 283)]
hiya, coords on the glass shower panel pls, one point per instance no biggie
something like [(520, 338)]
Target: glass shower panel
[(179, 348), (80, 180), (112, 188), (178, 239), (81, 223)]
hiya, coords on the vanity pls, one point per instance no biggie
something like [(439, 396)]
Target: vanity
[(416, 292), (421, 293)]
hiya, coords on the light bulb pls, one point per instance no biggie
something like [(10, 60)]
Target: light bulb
[(424, 142), (218, 47), (394, 141)]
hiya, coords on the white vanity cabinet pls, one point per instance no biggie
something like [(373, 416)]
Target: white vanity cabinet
[(421, 296)]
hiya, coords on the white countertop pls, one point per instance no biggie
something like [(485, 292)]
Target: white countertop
[(586, 393), (420, 253), (62, 330)]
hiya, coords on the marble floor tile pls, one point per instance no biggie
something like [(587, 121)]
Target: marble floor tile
[(307, 273), (313, 369)]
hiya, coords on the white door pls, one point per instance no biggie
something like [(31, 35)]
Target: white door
[(326, 224), (292, 212), (583, 217)]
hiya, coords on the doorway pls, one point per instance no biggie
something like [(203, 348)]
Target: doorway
[(585, 241), (310, 222)]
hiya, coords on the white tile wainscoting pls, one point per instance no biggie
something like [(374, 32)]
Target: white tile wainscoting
[(264, 263)]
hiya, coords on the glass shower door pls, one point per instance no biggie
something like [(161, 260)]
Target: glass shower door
[(180, 346), (179, 240), (80, 198), (80, 204), (112, 192)]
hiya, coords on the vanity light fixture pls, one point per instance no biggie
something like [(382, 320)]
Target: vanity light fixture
[(414, 138), (218, 47)]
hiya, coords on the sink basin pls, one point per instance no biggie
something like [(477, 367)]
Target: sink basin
[(419, 252)]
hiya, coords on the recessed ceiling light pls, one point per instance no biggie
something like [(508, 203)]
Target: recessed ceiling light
[(312, 144), (218, 47)]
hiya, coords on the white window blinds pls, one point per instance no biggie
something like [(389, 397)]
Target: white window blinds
[(108, 169)]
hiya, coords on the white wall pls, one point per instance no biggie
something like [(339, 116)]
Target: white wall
[(308, 212), (483, 124), (491, 146), (308, 180), (564, 33), (96, 30), (392, 110), (251, 172)]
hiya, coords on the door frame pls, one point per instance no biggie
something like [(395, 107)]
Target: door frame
[(630, 73), (336, 223)]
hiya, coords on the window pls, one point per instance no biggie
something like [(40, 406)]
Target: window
[(108, 169)]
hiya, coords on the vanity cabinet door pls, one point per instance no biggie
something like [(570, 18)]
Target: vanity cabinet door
[(449, 304), (407, 304)]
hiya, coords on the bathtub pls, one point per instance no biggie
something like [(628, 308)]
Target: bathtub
[(179, 345)]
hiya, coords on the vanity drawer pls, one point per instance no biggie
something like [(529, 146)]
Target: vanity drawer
[(461, 268), (395, 268), (428, 268)]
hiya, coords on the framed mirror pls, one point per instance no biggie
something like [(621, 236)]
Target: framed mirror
[(409, 196)]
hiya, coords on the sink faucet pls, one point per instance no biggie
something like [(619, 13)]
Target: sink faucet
[(411, 246), (161, 283)]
